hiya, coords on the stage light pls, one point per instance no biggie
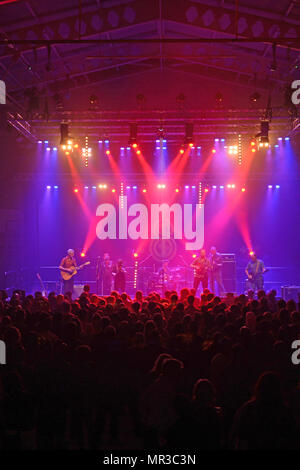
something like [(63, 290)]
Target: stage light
[(253, 150), (223, 140), (75, 190), (105, 186), (252, 143), (254, 97), (251, 253), (113, 190), (286, 138), (107, 152), (263, 135), (187, 187), (39, 141), (106, 141), (127, 187), (75, 146), (214, 186), (54, 148), (64, 147), (206, 190), (277, 186), (216, 140), (82, 254), (138, 152), (100, 141), (243, 190), (276, 145), (181, 151), (144, 190), (221, 187), (67, 153), (48, 148), (213, 150), (46, 141), (48, 187), (270, 186), (193, 187), (69, 147), (219, 98), (176, 190), (133, 131), (135, 255), (194, 255), (229, 186), (191, 145), (233, 186), (134, 187), (94, 187), (189, 133), (86, 187), (55, 187)]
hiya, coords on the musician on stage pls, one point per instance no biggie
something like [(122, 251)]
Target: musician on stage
[(106, 274), (215, 260), (201, 266), (255, 270), (119, 277), (164, 274), (66, 264)]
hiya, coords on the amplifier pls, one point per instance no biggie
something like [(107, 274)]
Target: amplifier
[(290, 293), (229, 271)]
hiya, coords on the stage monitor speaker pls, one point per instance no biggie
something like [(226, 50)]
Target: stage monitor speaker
[(290, 293)]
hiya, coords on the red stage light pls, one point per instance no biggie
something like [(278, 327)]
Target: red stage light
[(144, 190), (253, 149), (213, 150), (191, 144), (206, 190), (194, 255), (243, 190), (181, 151), (76, 190), (134, 145), (135, 255), (138, 152), (113, 190), (177, 190), (251, 253), (82, 254), (107, 152)]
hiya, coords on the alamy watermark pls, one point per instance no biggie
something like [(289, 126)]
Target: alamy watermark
[(2, 92), (296, 94), (2, 353), (159, 221)]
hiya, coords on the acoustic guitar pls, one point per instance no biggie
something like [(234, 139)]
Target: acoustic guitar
[(67, 273)]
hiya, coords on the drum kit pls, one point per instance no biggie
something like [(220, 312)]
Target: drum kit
[(173, 279)]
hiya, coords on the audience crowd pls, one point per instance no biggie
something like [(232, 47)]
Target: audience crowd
[(150, 372)]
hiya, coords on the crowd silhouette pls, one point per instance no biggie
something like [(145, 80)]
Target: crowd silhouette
[(149, 372)]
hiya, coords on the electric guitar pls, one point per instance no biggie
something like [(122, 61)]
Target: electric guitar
[(68, 273), (252, 277)]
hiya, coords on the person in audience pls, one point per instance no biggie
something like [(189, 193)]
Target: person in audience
[(175, 371)]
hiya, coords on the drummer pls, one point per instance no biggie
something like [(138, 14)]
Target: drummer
[(164, 273)]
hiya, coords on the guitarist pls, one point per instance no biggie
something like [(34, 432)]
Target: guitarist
[(255, 270), (66, 264), (201, 267)]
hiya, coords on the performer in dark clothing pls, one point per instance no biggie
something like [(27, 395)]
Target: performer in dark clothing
[(201, 267), (255, 270), (120, 277), (215, 260)]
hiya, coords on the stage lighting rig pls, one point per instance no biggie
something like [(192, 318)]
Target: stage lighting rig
[(263, 136), (66, 141)]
